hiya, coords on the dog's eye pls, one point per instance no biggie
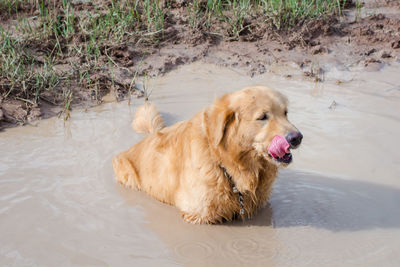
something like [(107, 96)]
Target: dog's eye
[(263, 117), (285, 113)]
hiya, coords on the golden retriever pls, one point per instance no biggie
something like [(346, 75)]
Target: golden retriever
[(220, 164)]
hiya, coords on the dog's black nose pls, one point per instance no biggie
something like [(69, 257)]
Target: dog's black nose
[(294, 139)]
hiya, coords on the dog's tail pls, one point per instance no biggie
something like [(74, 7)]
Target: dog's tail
[(147, 119)]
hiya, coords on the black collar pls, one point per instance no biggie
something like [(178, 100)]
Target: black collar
[(234, 189)]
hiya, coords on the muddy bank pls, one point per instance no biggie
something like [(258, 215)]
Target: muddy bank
[(365, 36)]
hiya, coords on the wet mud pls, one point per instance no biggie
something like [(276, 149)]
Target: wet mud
[(336, 205)]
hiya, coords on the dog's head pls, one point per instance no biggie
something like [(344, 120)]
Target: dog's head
[(253, 119)]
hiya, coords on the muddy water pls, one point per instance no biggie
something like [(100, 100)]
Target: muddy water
[(336, 205)]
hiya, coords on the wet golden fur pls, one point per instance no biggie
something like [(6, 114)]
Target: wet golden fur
[(181, 164)]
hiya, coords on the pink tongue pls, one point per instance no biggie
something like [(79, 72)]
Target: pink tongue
[(279, 147)]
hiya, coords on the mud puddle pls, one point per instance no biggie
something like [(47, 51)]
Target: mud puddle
[(336, 205)]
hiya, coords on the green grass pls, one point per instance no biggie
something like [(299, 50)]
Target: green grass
[(279, 14), (11, 6), (289, 12), (19, 75)]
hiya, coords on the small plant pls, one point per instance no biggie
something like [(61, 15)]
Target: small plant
[(194, 12), (358, 10), (154, 15), (146, 88), (240, 10), (67, 95)]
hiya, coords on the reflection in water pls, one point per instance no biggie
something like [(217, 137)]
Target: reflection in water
[(302, 199), (59, 202)]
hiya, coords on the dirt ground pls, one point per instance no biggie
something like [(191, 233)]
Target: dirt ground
[(366, 37)]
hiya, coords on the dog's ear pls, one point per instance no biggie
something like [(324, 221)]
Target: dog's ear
[(216, 120)]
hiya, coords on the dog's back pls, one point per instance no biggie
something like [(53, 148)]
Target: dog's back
[(161, 162)]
